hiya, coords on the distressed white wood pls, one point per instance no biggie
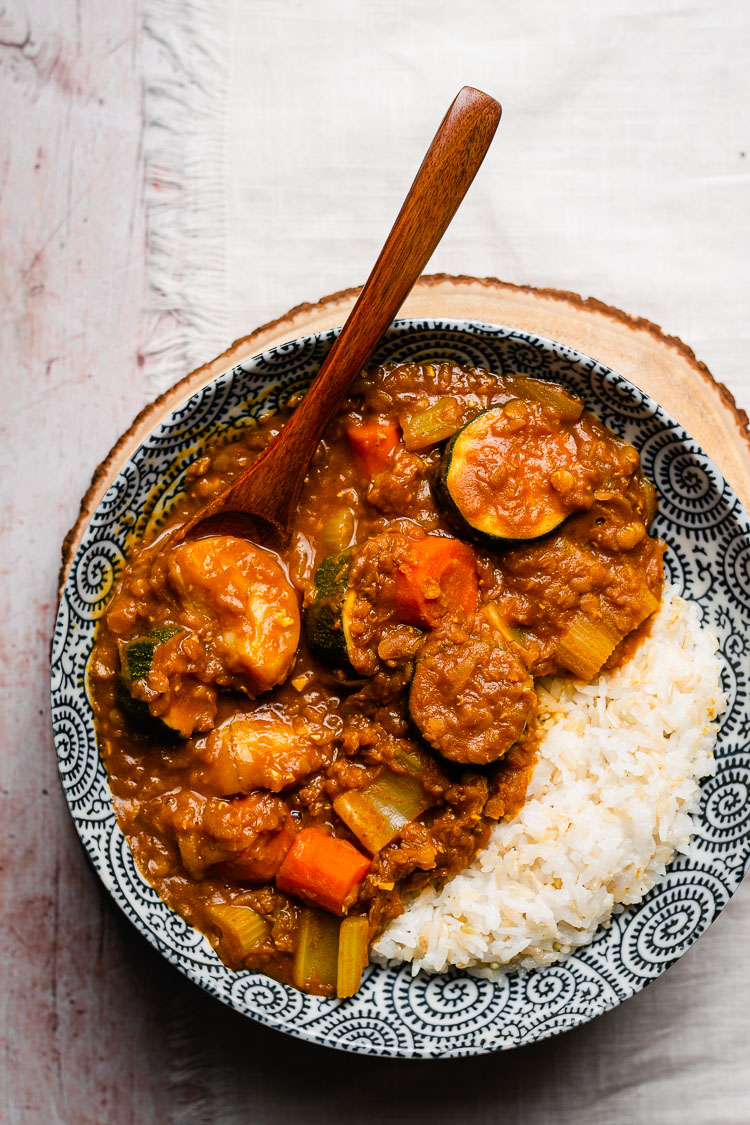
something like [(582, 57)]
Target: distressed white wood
[(82, 1009), (94, 1028)]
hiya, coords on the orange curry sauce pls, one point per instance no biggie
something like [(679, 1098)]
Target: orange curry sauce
[(247, 758)]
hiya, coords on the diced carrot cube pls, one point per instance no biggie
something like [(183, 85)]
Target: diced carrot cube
[(322, 870), (439, 575), (373, 445)]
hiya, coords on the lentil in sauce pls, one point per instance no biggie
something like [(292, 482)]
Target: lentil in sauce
[(297, 742)]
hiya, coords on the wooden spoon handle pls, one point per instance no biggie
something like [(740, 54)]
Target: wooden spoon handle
[(271, 486)]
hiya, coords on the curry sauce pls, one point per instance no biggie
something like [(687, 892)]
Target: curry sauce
[(297, 741)]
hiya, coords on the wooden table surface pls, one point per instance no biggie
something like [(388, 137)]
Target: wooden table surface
[(95, 1027)]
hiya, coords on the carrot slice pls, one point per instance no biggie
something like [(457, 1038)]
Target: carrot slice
[(373, 445), (322, 870), (440, 574)]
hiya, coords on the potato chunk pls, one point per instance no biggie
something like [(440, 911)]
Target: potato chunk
[(259, 751), (244, 840), (242, 603)]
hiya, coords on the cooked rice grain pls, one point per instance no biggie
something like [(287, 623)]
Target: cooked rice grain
[(610, 802)]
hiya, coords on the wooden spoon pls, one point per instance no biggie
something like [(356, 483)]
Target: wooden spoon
[(262, 502)]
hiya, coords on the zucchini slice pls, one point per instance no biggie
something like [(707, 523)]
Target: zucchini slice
[(136, 659), (471, 698), (510, 473), (325, 617)]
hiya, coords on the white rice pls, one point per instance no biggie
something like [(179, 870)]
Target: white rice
[(610, 802)]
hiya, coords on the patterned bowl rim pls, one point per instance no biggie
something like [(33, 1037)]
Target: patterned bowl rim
[(436, 1046)]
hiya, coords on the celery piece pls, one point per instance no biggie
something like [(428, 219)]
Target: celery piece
[(647, 604), (337, 531), (586, 645), (567, 406), (240, 927), (509, 633), (650, 501), (413, 760), (353, 954), (191, 855), (377, 813), (315, 964), (428, 427)]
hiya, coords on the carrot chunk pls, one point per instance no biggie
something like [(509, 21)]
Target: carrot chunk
[(373, 445), (322, 870), (439, 575)]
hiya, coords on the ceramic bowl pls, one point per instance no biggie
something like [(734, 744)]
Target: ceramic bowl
[(396, 1014)]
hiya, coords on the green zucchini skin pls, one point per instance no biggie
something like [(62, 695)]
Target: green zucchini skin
[(137, 713), (440, 488), (136, 659), (138, 655), (324, 617)]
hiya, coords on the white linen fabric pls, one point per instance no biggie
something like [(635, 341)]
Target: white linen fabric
[(281, 138), (283, 135)]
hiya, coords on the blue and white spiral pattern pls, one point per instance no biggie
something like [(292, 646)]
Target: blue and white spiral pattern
[(457, 1014)]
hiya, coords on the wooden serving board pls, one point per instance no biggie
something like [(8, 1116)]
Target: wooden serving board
[(661, 365)]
